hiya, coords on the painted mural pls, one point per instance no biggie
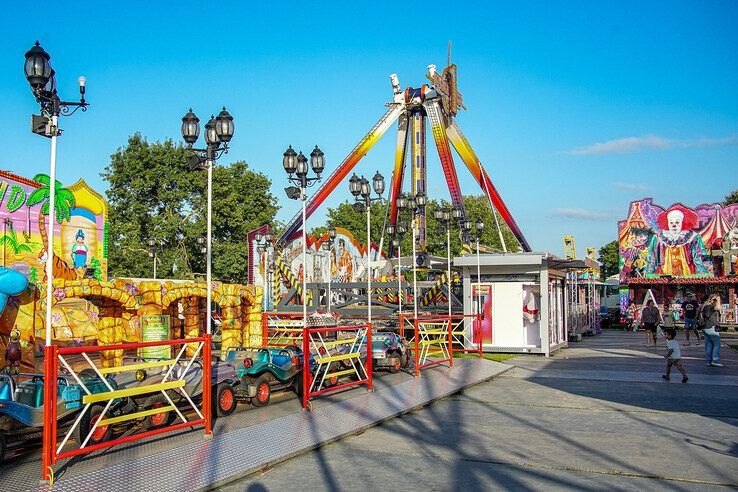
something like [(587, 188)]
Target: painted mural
[(678, 241), (80, 252), (344, 262)]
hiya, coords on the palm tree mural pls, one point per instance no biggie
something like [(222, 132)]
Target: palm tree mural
[(64, 202), (11, 239), (63, 198)]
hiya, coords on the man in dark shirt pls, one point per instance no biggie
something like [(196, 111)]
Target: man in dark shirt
[(690, 308)]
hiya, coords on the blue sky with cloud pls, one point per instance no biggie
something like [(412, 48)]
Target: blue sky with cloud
[(575, 108)]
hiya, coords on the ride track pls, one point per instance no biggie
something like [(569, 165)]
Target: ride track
[(439, 103)]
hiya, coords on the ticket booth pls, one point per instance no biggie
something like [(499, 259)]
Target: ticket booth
[(522, 300)]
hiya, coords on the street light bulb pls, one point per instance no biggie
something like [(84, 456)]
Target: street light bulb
[(365, 189), (480, 225), (302, 165), (224, 126), (211, 134), (456, 213), (190, 127), (82, 81), (378, 183), (421, 199), (390, 230), (355, 185), (289, 160), (401, 201), (317, 160), (438, 214), (37, 67)]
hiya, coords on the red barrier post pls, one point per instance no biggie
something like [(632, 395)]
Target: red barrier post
[(49, 387), (207, 385), (417, 348), (306, 377), (54, 409), (479, 334), (450, 342), (264, 329), (369, 353)]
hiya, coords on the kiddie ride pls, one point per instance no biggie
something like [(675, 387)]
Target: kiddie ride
[(22, 411)]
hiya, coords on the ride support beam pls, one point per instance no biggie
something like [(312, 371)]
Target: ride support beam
[(398, 174)]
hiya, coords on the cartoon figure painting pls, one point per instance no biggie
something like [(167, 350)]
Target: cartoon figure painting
[(677, 249), (676, 241), (79, 250)]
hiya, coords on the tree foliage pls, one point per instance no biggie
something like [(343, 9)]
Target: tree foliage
[(154, 194), (608, 258), (731, 198), (477, 208)]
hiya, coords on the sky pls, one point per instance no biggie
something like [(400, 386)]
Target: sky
[(574, 108)]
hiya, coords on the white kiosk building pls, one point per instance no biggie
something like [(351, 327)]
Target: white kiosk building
[(522, 298)]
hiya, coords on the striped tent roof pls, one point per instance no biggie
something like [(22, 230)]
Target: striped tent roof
[(717, 228)]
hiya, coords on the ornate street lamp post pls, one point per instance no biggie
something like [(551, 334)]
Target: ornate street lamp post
[(328, 247), (444, 217), (42, 79), (415, 205), (297, 164), (362, 191), (218, 133)]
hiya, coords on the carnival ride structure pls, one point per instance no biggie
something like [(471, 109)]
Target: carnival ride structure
[(439, 103)]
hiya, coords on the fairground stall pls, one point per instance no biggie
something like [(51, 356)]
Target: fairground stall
[(522, 298), (670, 254)]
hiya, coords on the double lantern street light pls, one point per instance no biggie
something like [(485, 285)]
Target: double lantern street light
[(443, 216), (297, 165), (42, 79), (153, 250), (218, 133), (362, 192), (415, 205)]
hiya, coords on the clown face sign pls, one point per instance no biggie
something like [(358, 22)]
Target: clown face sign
[(676, 241)]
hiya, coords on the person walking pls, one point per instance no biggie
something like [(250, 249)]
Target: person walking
[(673, 355), (650, 319), (690, 309), (711, 329)]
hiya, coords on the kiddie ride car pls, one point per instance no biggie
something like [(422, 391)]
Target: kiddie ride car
[(267, 369), (224, 380), (389, 351), (22, 411)]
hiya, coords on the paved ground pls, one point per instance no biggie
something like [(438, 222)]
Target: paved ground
[(596, 417)]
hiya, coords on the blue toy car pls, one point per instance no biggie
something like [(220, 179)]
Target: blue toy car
[(22, 411)]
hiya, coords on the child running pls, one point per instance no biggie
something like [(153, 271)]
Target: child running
[(673, 356)]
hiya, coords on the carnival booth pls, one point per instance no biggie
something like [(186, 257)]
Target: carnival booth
[(521, 297)]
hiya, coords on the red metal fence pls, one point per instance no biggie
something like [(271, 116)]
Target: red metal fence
[(324, 350), (54, 355)]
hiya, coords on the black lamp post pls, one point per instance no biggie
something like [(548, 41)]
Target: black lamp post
[(297, 164), (41, 78), (361, 189), (218, 133), (415, 206)]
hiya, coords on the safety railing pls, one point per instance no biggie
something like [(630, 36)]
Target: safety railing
[(281, 329), (431, 341), (466, 333), (329, 361), (104, 403)]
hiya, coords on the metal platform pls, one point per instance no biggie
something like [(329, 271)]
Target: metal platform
[(190, 462)]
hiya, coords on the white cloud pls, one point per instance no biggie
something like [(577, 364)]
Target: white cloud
[(630, 186), (650, 142), (584, 214)]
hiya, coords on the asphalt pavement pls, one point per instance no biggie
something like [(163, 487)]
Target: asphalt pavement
[(596, 416)]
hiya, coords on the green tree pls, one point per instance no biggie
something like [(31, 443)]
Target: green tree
[(609, 256), (731, 198), (154, 194)]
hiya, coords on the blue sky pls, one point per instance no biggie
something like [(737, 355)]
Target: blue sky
[(575, 108)]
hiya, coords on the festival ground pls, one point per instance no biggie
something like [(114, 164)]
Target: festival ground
[(596, 416)]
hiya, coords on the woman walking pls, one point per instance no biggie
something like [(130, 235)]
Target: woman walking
[(711, 325), (650, 319)]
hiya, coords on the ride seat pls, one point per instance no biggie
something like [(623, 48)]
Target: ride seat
[(280, 360), (5, 390), (30, 393)]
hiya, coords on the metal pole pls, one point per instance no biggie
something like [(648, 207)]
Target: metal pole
[(328, 303), (479, 282), (154, 264), (209, 279), (448, 265), (415, 276), (50, 232), (304, 262), (369, 260), (399, 279)]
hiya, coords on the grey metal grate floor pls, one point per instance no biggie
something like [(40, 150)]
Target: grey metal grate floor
[(205, 463)]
